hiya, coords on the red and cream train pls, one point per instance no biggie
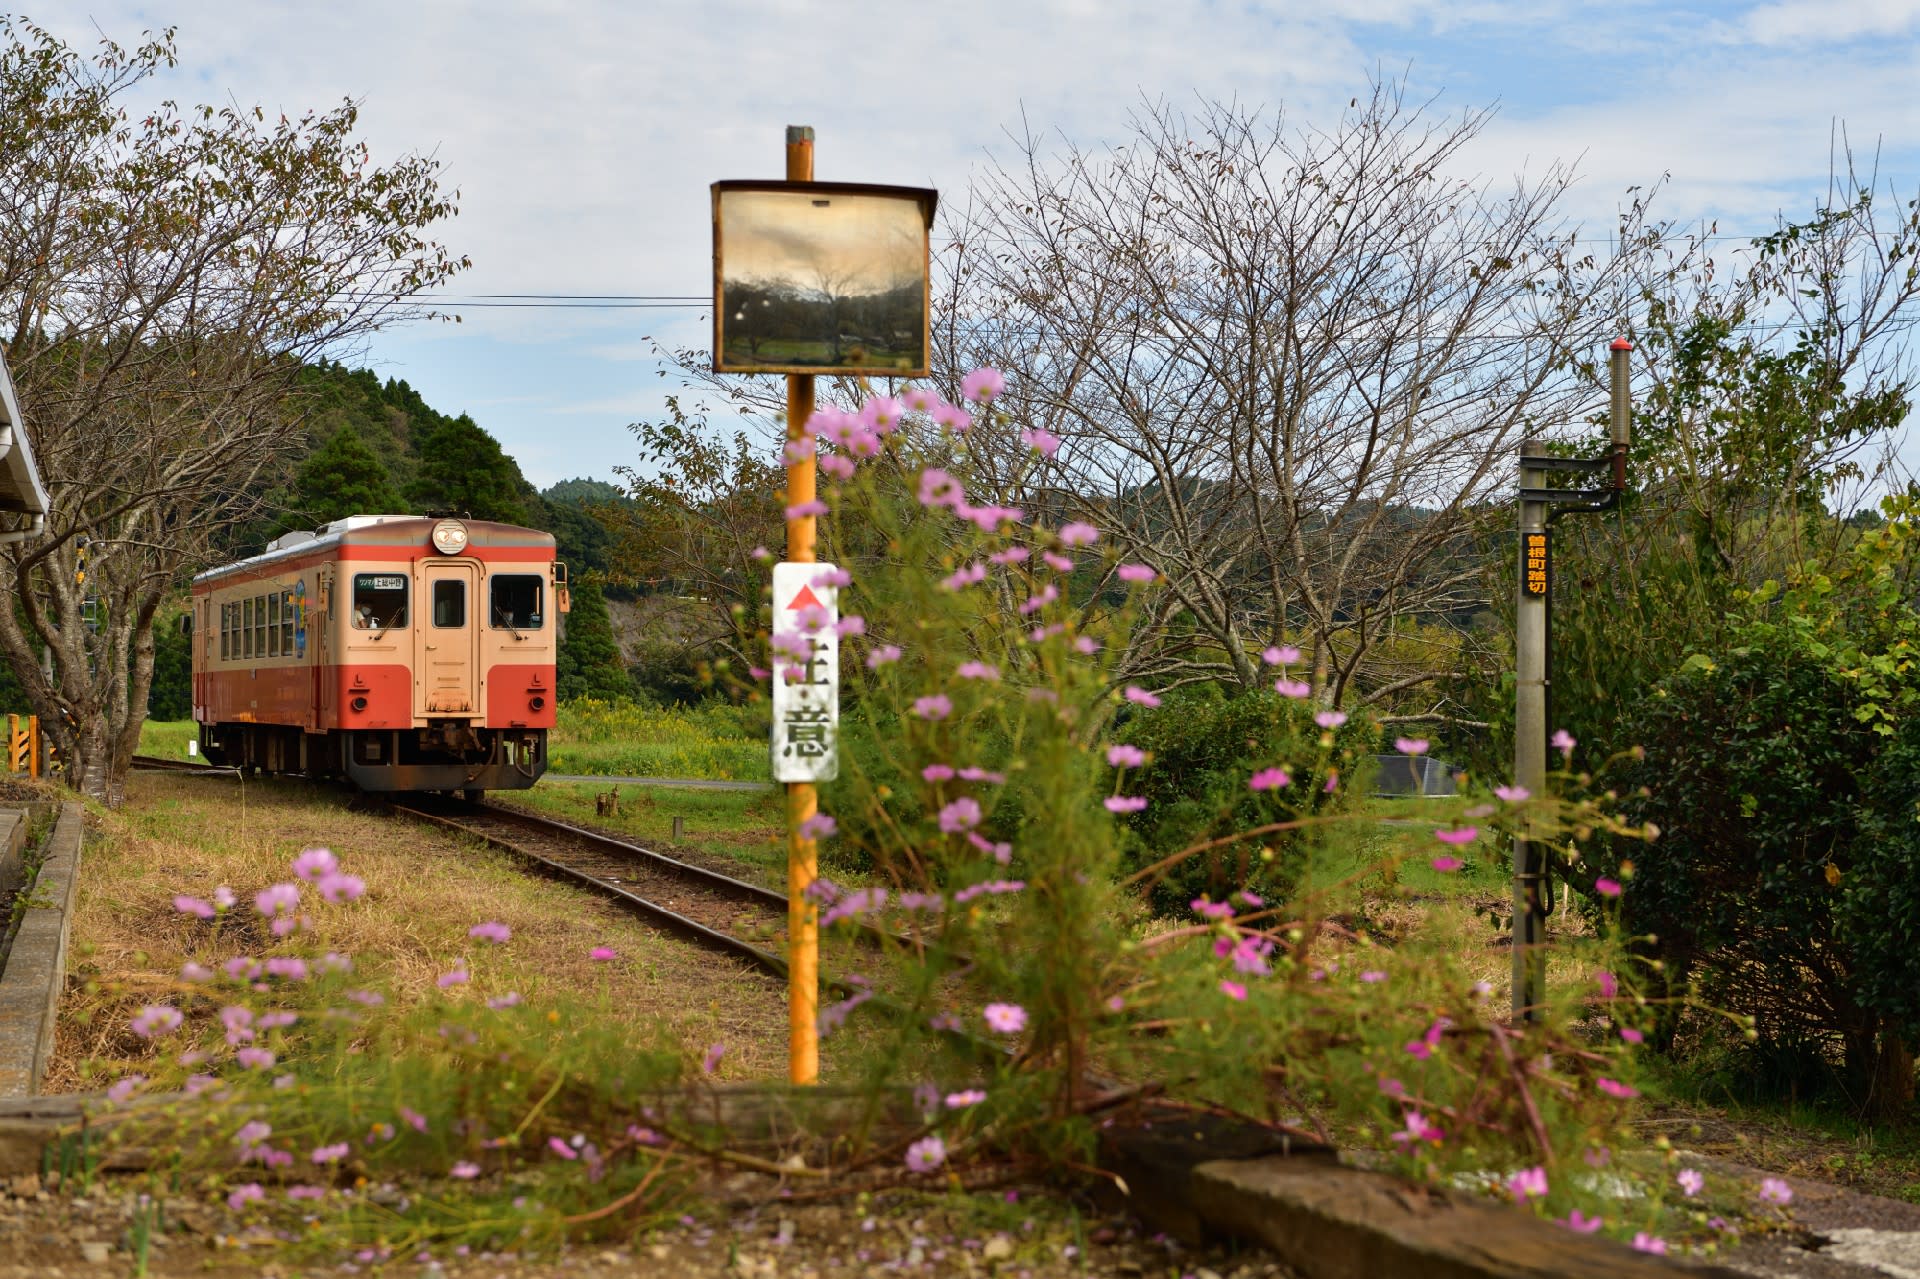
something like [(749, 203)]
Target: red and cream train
[(405, 653)]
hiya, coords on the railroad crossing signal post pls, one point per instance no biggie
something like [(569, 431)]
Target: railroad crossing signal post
[(803, 800), (1533, 660)]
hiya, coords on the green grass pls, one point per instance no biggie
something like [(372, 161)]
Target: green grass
[(715, 742), (167, 739), (743, 826)]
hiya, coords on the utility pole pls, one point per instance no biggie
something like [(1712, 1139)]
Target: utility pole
[(803, 799), (1533, 659)]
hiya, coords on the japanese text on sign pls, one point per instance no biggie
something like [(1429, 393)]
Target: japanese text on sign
[(1534, 564), (806, 674)]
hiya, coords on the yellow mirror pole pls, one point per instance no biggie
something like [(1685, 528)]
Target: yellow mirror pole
[(803, 917)]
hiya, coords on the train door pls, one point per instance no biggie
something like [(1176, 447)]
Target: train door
[(449, 639)]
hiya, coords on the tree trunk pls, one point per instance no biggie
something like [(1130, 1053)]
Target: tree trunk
[(1889, 1096)]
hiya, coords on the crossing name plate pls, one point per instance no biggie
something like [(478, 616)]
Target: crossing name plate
[(1536, 565), (806, 673)]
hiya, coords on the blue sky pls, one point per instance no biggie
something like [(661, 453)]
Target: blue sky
[(583, 134)]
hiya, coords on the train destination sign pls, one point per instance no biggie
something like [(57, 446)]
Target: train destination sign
[(806, 673), (1536, 565)]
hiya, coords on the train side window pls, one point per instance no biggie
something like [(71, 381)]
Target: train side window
[(246, 627), (259, 626), (449, 602), (514, 601), (226, 629), (286, 625), (379, 601), (273, 624)]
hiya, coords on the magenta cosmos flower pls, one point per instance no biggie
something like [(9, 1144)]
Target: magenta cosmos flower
[(1078, 534), (1462, 835), (1125, 803), (934, 707), (961, 815), (492, 930), (1269, 779), (1120, 755), (1136, 573), (1141, 697), (1005, 1019), (926, 1154), (983, 385)]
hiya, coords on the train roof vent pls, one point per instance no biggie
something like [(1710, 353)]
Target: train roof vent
[(294, 538), (362, 521)]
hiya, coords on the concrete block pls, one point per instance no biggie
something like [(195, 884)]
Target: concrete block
[(36, 967)]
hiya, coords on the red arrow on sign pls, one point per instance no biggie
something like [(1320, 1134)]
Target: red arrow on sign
[(806, 599)]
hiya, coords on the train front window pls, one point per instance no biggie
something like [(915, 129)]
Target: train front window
[(514, 601), (379, 601), (449, 603)]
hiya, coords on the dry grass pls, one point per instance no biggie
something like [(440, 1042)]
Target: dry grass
[(425, 889)]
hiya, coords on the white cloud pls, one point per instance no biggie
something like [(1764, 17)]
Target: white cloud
[(1805, 22)]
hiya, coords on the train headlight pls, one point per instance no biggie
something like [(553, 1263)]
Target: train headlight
[(449, 537)]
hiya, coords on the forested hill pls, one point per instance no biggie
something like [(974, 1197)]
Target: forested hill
[(377, 447)]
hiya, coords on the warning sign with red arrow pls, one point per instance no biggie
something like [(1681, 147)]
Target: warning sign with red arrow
[(806, 673)]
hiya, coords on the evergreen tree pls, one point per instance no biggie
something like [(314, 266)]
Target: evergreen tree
[(463, 469), (171, 697), (344, 477), (589, 664)]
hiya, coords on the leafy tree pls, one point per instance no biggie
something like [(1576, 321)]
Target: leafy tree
[(171, 697), (589, 664), (166, 274), (463, 469), (572, 516), (344, 477)]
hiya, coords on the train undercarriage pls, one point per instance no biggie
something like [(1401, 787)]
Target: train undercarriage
[(448, 756)]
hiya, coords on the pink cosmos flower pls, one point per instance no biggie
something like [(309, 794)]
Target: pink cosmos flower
[(962, 814), (1463, 835), (1529, 1183), (1211, 910), (1609, 987), (1330, 719), (1233, 990), (124, 1089), (978, 670), (881, 413), (962, 578), (937, 773), (1077, 534), (1775, 1191), (1269, 779), (937, 706), (1057, 562), (458, 977), (983, 384), (1012, 555), (852, 624), (1125, 803), (601, 954), (1294, 688), (312, 863), (1041, 441), (289, 967), (223, 898), (1140, 696), (279, 899), (492, 931), (937, 488), (1037, 602), (797, 451), (1086, 644), (244, 1195), (1447, 864), (330, 1154), (1001, 852), (835, 577), (191, 971), (500, 1003), (1614, 1088), (1418, 1128), (926, 1154), (881, 656), (1511, 794), (1644, 1242), (836, 465), (1373, 975), (559, 1146), (1283, 655), (1136, 573), (1004, 1019), (194, 906), (156, 1019), (818, 826), (1631, 1035), (414, 1119), (955, 419), (982, 775), (465, 1170), (1691, 1182), (1563, 742), (1581, 1224), (1411, 745), (711, 1062), (254, 1058), (1606, 887), (337, 888), (1419, 1049), (961, 1100), (801, 510)]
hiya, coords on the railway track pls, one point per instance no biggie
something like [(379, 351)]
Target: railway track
[(703, 906), (155, 764)]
